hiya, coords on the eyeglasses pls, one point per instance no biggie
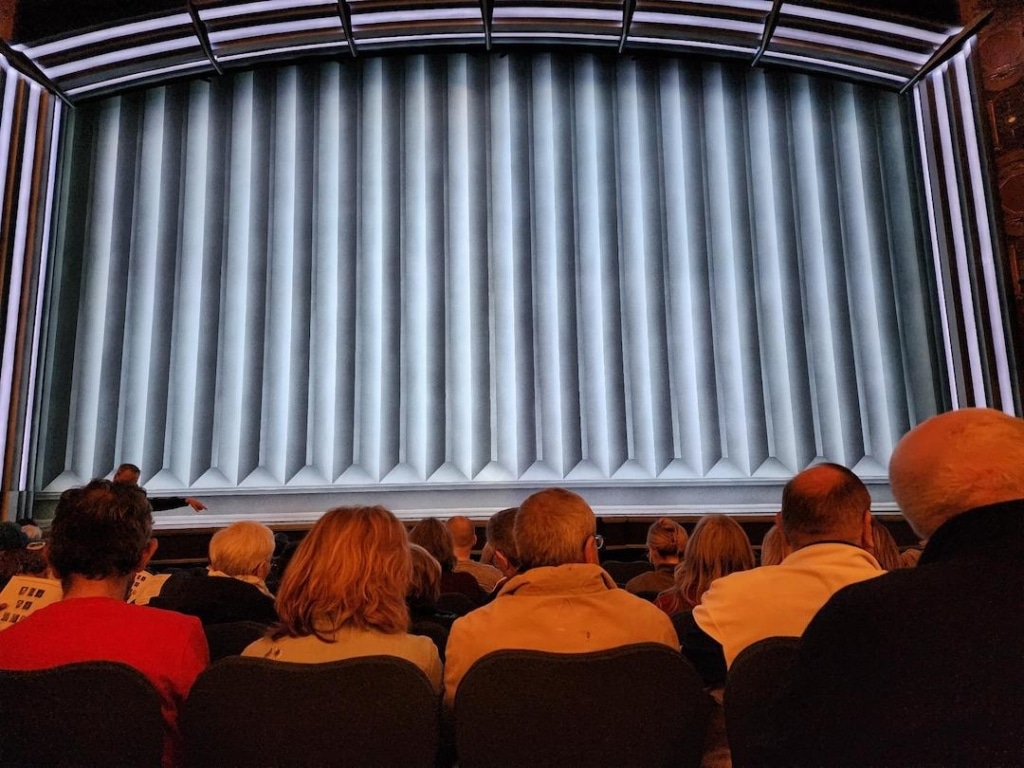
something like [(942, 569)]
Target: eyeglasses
[(598, 541)]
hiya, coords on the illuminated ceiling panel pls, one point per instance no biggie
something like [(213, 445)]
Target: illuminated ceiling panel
[(183, 38)]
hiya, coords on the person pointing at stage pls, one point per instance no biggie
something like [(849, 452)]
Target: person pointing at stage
[(129, 474)]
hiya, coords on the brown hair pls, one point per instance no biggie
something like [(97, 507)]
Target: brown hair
[(434, 536), (718, 546), (885, 550), (353, 568), (425, 587)]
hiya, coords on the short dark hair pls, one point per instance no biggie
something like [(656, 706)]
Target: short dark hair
[(501, 534), (824, 501), (100, 530)]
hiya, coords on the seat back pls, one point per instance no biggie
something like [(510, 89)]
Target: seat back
[(622, 571), (373, 710), (231, 637), (756, 679), (637, 705), (87, 713)]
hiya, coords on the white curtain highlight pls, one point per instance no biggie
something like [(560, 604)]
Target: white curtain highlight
[(472, 269)]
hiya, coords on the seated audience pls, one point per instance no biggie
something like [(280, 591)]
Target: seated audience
[(233, 588), (464, 539), (434, 536), (561, 600), (343, 595), (424, 592), (773, 546), (826, 519), (666, 541), (31, 529), (923, 666), (19, 556), (719, 546), (884, 546), (100, 538), (500, 547)]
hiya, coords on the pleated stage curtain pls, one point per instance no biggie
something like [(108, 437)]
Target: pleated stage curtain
[(472, 269)]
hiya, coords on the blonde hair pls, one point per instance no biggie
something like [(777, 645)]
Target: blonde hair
[(885, 550), (353, 568), (774, 548), (426, 576), (718, 546), (241, 548), (668, 538), (552, 527)]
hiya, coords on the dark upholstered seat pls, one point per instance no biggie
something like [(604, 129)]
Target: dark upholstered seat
[(374, 710), (756, 678), (230, 638), (88, 713), (638, 705)]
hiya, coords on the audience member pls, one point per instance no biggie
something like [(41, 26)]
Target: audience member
[(718, 547), (100, 537), (562, 600), (826, 519), (884, 546), (464, 539), (666, 542), (424, 592), (434, 536), (129, 474), (31, 529), (923, 666), (18, 556), (233, 588), (500, 548), (773, 546), (343, 595)]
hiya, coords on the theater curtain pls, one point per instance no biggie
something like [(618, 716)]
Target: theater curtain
[(29, 126), (474, 269)]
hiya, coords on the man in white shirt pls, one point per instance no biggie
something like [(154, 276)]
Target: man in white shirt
[(826, 521)]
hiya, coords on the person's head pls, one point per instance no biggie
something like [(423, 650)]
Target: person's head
[(12, 537), (352, 569), (717, 547), (773, 546), (425, 587), (102, 530), (826, 502), (244, 548), (463, 535), (501, 542), (954, 462), (666, 542), (434, 536), (17, 562), (555, 527), (885, 550), (127, 473)]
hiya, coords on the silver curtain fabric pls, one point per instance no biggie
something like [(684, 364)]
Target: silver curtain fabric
[(473, 269)]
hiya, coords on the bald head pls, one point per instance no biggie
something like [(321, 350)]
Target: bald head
[(954, 462), (463, 534), (826, 502)]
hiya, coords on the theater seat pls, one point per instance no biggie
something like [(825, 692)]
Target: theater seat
[(374, 710), (231, 637), (87, 713), (638, 705), (756, 678)]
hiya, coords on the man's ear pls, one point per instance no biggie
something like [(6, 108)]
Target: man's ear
[(590, 554), (867, 533), (147, 554)]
